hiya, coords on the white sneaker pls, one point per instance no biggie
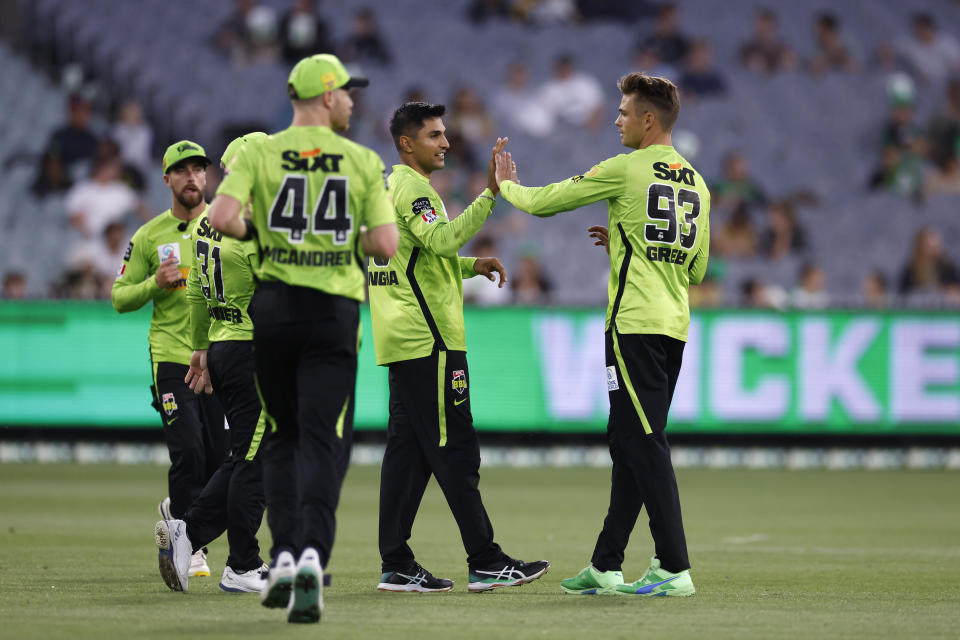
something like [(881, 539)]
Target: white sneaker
[(250, 581), (279, 582), (164, 509), (306, 605), (198, 565), (174, 553)]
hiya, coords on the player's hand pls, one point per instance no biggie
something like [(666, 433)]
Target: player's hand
[(601, 236), (486, 267), (492, 183), (198, 376), (506, 168), (168, 273)]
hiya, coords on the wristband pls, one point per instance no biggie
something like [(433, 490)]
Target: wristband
[(251, 230)]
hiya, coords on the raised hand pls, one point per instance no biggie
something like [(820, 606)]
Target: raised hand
[(600, 234), (506, 168), (492, 183), (486, 267)]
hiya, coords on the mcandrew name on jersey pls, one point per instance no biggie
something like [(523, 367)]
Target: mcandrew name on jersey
[(674, 173)]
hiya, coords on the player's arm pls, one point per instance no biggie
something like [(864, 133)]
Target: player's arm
[(199, 317), (378, 226), (486, 267), (466, 267), (237, 187), (135, 286), (603, 181), (425, 219), (698, 265)]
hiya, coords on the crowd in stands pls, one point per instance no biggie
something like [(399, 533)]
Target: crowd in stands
[(100, 170)]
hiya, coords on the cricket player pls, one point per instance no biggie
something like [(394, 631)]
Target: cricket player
[(416, 304), (319, 204), (659, 243), (155, 268), (219, 288)]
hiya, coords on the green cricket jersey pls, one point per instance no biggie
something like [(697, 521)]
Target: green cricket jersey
[(220, 286), (659, 229), (135, 285), (416, 297), (312, 190)]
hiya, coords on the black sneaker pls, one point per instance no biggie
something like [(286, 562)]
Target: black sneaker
[(416, 579), (512, 573)]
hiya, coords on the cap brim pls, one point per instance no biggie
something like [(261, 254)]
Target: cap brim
[(182, 160), (356, 81)]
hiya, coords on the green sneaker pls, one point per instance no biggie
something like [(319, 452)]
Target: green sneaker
[(659, 582), (591, 582)]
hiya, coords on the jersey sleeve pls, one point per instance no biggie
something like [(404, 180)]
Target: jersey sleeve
[(239, 178), (698, 265), (603, 181), (377, 208), (466, 268), (427, 221), (135, 286), (199, 318)]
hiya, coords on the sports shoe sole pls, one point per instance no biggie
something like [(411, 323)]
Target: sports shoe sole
[(278, 595), (480, 587), (658, 594), (409, 588), (592, 591), (168, 570), (305, 606)]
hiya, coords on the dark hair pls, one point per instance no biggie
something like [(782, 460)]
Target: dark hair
[(828, 21), (659, 93), (409, 118)]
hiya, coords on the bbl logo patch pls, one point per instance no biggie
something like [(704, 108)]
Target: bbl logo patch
[(169, 403), (423, 208), (612, 383), (459, 381)]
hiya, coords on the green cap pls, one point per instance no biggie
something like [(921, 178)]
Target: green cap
[(180, 151), (235, 145), (318, 74)]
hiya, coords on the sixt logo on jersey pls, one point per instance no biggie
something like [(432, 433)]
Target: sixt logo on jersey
[(312, 160), (673, 173), (459, 381), (204, 230)]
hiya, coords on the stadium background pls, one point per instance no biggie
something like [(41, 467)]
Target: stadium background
[(829, 309)]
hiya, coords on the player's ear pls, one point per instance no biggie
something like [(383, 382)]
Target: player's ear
[(406, 144), (166, 179)]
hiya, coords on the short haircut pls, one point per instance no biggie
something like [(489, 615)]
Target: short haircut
[(409, 119), (659, 95)]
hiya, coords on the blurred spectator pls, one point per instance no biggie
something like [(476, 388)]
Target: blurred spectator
[(468, 117), (832, 53), (482, 10), (876, 290), (543, 12), (930, 55), (700, 78), (518, 105), (130, 175), (901, 130), (480, 291), (737, 185), (811, 292), (615, 10), (529, 284), (897, 172), (945, 126), (944, 177), (14, 286), (52, 177), (250, 33), (365, 43), (738, 237), (94, 203), (134, 136), (927, 268), (667, 40), (765, 51), (573, 96), (783, 236), (755, 294), (706, 294), (74, 143), (79, 282), (647, 60), (232, 34)]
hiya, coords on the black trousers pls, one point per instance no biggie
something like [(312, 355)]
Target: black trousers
[(305, 348), (431, 432), (233, 498), (194, 431), (641, 384)]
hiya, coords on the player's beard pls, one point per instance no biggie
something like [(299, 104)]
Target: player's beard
[(190, 200)]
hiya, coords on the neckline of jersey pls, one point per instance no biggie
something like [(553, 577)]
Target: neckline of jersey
[(169, 213), (411, 171)]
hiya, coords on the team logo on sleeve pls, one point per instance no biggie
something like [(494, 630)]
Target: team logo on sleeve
[(576, 179), (128, 252), (169, 403), (612, 383), (459, 381), (423, 208), (169, 250)]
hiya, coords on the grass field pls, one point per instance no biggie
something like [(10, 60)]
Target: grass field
[(776, 554)]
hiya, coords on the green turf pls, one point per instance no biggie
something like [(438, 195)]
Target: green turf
[(776, 554)]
